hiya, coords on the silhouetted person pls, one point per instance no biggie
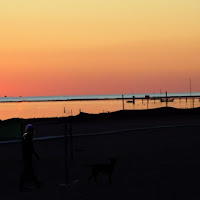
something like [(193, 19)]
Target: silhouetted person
[(27, 152)]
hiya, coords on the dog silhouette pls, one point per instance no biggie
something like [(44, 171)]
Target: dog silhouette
[(104, 168)]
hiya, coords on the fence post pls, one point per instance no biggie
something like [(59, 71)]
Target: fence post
[(66, 158), (66, 184), (71, 142), (123, 101)]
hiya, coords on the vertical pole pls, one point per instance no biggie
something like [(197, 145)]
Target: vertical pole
[(166, 99), (71, 142), (66, 158), (133, 99), (123, 101), (190, 89), (193, 102)]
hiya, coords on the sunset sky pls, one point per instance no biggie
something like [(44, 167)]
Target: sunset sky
[(88, 47)]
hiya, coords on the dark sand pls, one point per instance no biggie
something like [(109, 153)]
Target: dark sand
[(157, 163)]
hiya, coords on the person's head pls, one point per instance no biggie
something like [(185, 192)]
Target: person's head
[(30, 130)]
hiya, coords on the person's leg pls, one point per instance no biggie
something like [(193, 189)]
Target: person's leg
[(34, 178), (23, 176), (21, 184)]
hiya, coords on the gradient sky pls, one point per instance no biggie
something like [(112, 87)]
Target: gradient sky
[(82, 47)]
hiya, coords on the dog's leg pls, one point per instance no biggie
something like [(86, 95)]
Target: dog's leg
[(95, 176), (90, 177), (110, 178)]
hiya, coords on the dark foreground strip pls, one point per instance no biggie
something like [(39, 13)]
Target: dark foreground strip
[(100, 133)]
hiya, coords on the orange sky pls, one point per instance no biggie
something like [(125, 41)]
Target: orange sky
[(98, 47)]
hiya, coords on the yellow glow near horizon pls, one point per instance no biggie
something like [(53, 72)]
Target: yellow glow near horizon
[(95, 47)]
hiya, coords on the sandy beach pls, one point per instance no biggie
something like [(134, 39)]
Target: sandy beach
[(157, 157)]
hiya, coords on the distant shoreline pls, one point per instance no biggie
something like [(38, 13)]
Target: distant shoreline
[(61, 100), (101, 99)]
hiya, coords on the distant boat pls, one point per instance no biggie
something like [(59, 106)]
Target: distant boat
[(129, 101), (166, 99)]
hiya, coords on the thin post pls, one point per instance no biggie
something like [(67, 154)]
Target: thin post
[(193, 102), (147, 97), (66, 158), (133, 99), (71, 142), (123, 101), (190, 89), (166, 99), (67, 174)]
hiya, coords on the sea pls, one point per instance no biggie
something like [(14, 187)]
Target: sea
[(63, 106)]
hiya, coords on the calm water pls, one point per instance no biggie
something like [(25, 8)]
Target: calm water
[(46, 108)]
